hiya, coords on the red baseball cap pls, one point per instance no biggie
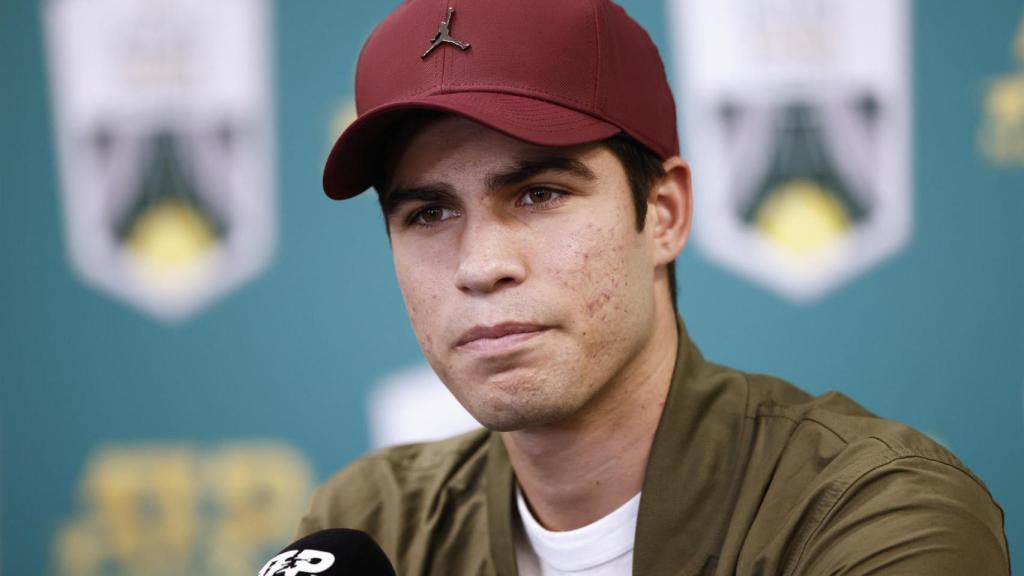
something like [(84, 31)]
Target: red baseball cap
[(550, 72)]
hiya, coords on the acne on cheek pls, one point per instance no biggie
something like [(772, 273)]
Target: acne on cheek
[(598, 303), (598, 273)]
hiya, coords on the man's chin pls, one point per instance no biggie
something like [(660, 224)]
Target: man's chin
[(513, 417), (514, 399)]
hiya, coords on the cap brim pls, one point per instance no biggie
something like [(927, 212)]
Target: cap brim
[(355, 159)]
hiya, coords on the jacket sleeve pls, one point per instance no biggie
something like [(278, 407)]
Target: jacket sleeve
[(349, 499), (911, 515)]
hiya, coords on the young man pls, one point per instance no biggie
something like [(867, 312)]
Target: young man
[(527, 165)]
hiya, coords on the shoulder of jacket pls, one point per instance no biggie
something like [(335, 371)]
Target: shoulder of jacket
[(842, 464), (852, 436), (395, 473), (403, 495)]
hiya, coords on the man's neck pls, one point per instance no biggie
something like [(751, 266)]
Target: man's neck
[(578, 471)]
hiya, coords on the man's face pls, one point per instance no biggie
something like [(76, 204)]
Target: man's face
[(530, 290)]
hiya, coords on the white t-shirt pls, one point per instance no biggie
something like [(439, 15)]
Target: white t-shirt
[(602, 548)]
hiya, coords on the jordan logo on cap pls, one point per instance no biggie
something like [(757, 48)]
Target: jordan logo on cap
[(443, 35)]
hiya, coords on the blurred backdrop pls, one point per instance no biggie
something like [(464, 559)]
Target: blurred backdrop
[(192, 336)]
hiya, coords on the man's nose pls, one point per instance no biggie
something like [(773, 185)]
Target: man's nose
[(489, 259)]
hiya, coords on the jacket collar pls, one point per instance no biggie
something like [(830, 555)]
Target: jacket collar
[(689, 484)]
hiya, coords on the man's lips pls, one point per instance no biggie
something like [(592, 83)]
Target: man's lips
[(510, 332)]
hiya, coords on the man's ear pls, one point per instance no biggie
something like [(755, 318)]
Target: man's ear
[(671, 203)]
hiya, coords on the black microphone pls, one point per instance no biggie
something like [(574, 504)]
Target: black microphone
[(331, 552)]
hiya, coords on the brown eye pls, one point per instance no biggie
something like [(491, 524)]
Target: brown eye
[(540, 195), (431, 215)]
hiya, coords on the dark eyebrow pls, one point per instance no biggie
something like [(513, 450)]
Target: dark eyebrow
[(527, 168), (522, 170), (429, 193)]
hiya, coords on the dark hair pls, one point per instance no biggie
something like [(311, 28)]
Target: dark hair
[(641, 165)]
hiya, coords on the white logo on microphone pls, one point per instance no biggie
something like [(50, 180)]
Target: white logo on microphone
[(296, 562)]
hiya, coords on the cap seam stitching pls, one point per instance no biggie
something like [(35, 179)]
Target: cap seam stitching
[(444, 53), (597, 105)]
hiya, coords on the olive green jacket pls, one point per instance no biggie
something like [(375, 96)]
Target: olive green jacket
[(747, 475)]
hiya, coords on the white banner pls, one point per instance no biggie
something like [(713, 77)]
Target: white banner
[(163, 120), (797, 117)]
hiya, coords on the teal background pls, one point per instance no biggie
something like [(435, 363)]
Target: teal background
[(932, 337)]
